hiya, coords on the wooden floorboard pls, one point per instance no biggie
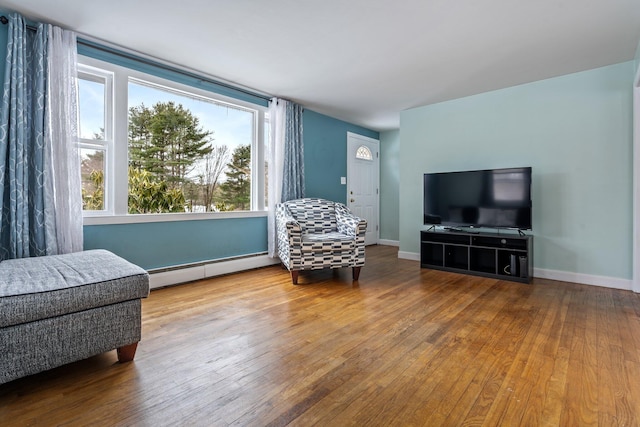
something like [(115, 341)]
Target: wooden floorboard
[(402, 346)]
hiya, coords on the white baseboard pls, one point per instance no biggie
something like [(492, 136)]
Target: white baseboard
[(217, 268), (388, 242), (173, 277), (564, 276), (584, 279), (211, 269), (409, 255)]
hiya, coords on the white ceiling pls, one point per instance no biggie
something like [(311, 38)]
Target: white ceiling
[(362, 61)]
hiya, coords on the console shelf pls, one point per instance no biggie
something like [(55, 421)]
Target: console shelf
[(501, 256)]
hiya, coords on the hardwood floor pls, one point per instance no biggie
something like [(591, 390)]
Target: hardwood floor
[(403, 346)]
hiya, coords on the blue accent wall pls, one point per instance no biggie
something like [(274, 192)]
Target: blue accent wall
[(325, 154), (161, 244)]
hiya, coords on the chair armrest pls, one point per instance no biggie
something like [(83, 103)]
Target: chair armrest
[(348, 223), (284, 220), (352, 225), (289, 235)]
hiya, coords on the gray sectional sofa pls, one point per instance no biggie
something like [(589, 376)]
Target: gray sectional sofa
[(63, 308)]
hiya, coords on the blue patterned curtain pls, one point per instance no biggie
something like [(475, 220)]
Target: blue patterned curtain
[(286, 161), (293, 171), (25, 228)]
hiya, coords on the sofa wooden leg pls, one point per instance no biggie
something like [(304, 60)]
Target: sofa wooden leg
[(127, 352), (294, 276), (356, 273)]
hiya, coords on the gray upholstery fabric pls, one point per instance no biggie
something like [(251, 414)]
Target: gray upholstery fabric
[(49, 273), (33, 347), (62, 308), (30, 307), (38, 288)]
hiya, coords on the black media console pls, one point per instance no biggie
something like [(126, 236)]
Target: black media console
[(501, 256)]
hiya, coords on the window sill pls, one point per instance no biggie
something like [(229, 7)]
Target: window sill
[(168, 217)]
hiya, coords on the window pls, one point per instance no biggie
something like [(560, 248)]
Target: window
[(364, 153), (95, 135), (166, 147)]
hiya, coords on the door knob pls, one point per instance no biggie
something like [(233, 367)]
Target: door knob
[(353, 200)]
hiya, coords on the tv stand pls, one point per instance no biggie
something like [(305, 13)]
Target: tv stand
[(500, 256), (456, 229), (460, 230)]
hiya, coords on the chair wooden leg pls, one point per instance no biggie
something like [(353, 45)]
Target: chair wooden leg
[(356, 273), (294, 276), (127, 352)]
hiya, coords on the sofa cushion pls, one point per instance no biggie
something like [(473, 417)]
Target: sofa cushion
[(42, 287), (327, 242)]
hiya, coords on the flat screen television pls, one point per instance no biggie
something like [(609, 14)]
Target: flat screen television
[(494, 198)]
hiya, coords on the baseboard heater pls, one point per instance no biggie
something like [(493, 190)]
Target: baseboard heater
[(176, 274)]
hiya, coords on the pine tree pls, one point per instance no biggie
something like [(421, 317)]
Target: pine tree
[(166, 140), (236, 190)]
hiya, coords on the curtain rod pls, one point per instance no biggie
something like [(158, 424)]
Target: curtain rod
[(4, 20)]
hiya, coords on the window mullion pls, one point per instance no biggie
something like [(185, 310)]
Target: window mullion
[(120, 145)]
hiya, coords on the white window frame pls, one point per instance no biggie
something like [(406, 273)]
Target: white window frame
[(116, 209), (86, 72)]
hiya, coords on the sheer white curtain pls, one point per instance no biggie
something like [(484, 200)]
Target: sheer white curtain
[(277, 127), (61, 138)]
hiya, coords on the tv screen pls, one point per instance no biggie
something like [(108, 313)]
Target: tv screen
[(496, 198)]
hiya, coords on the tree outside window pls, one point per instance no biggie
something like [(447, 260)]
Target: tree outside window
[(185, 153)]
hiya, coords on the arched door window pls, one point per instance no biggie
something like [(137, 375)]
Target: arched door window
[(364, 153)]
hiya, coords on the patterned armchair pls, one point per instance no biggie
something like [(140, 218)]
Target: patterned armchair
[(317, 233)]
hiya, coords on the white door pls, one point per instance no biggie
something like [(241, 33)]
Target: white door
[(363, 165)]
